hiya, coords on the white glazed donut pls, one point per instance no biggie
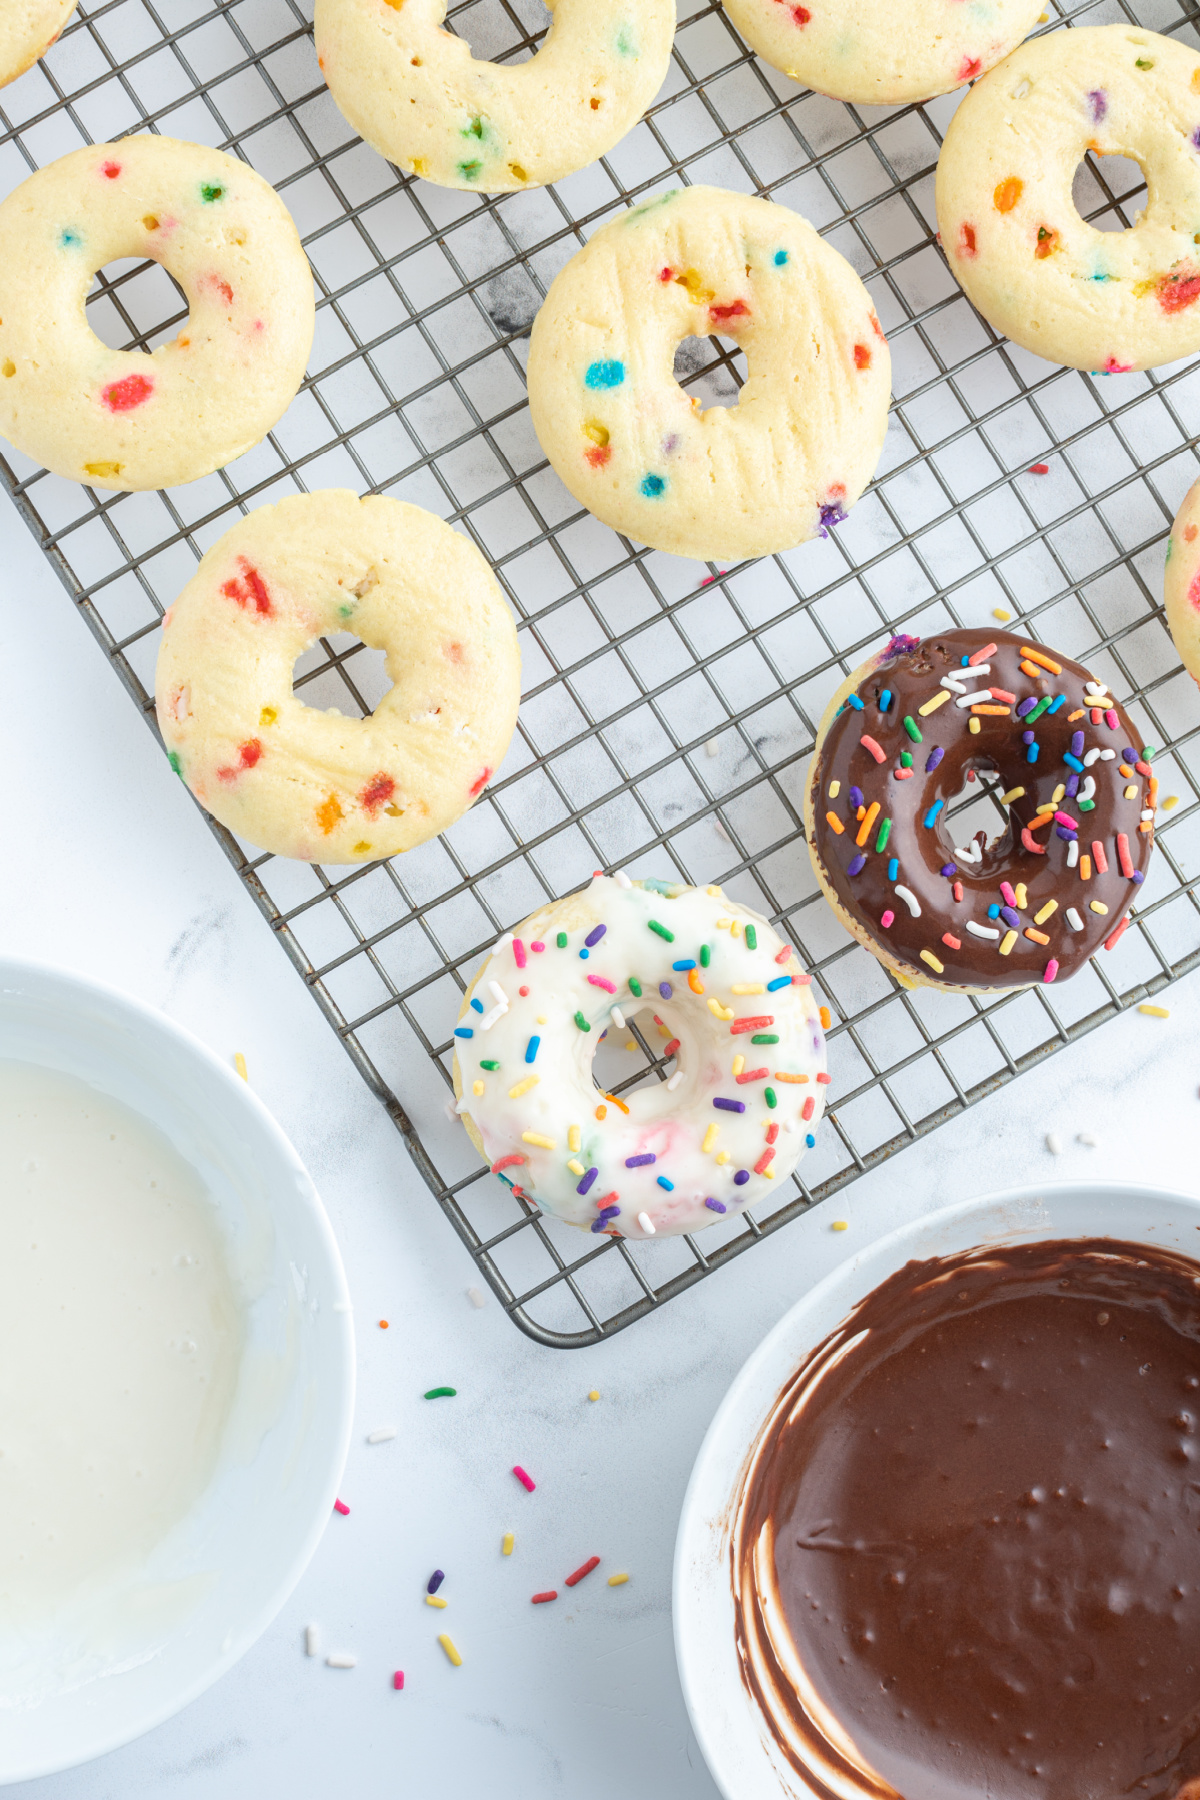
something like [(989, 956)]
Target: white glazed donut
[(1106, 301), (807, 432), (873, 55), (728, 1126), (125, 419), (416, 93), (1182, 581), (27, 30)]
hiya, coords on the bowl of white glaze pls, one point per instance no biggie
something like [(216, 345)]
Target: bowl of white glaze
[(239, 1333), (738, 1744)]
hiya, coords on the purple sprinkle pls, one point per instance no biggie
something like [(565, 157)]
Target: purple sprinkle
[(1129, 755), (1010, 917), (587, 1181), (741, 1178), (435, 1581), (934, 758), (730, 1105), (593, 937), (1072, 786), (856, 796), (639, 1162), (1098, 102), (664, 988), (1137, 876), (714, 1205), (1068, 837), (1027, 705), (1196, 138), (602, 1218), (858, 865), (1077, 743), (831, 514), (949, 869), (1027, 737), (900, 645)]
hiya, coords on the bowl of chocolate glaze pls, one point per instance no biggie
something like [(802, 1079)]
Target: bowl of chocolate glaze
[(942, 1540)]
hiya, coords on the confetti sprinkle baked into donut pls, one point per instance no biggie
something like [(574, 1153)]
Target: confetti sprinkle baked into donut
[(901, 740), (732, 1120)]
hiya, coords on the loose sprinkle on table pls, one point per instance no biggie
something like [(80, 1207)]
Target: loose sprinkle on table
[(506, 1544), (840, 1225), (383, 1436), (448, 1646), (526, 1481), (339, 1506), (435, 1581), (593, 1562), (239, 1063), (441, 1393), (1155, 1012), (341, 1659), (312, 1640), (617, 1580), (544, 1599), (398, 1680)]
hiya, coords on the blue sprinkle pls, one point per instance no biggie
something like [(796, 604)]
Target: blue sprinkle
[(681, 968), (532, 1048), (780, 982), (584, 955), (810, 1140), (781, 257), (730, 1105), (1058, 700), (1031, 755), (605, 375), (587, 1181), (741, 1178), (854, 701), (664, 1183), (1026, 706), (463, 1031), (664, 988), (593, 937), (933, 812), (478, 1005), (1072, 762), (893, 867), (885, 699), (1010, 917), (640, 1162), (934, 758), (858, 865), (993, 911), (68, 238), (654, 486), (966, 662), (715, 1205)]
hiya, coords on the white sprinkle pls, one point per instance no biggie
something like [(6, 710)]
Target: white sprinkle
[(955, 687), (503, 943), (476, 1298), (1073, 919), (1091, 757), (1092, 1142), (498, 994), (1072, 853), (1107, 755), (382, 1437), (1096, 687), (954, 682), (975, 699), (712, 747), (622, 880), (451, 1109), (971, 853), (644, 1220), (489, 1019), (983, 931), (341, 1659), (675, 1080), (910, 900), (312, 1640), (1149, 814), (618, 1017), (721, 831), (1088, 790), (1054, 1143), (464, 1106)]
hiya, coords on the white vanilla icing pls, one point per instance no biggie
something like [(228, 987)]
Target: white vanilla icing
[(120, 1340), (538, 1009)]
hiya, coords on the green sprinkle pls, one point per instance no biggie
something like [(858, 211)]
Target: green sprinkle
[(635, 986), (209, 193), (493, 1066), (1038, 710), (470, 171), (1143, 63), (1149, 753), (441, 1393), (475, 128), (910, 725), (582, 1022), (661, 930), (562, 940), (885, 832), (906, 759), (764, 1037), (173, 759), (751, 938), (1086, 805), (705, 956), (770, 1097)]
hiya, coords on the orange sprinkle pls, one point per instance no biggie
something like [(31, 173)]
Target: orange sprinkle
[(781, 1076), (617, 1102), (383, 1324), (869, 818), (602, 1112), (997, 712), (1028, 668), (826, 1018), (1085, 868), (1007, 193), (1036, 937), (832, 820), (1071, 717), (694, 982), (1043, 662)]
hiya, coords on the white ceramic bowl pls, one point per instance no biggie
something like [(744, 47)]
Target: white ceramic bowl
[(243, 1546), (737, 1745)]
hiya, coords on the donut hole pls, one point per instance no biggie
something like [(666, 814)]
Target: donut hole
[(973, 818), (341, 673), (135, 305), (711, 370), (1109, 192), (501, 31), (616, 1066)]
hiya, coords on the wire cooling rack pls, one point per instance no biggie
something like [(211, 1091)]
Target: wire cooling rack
[(668, 707)]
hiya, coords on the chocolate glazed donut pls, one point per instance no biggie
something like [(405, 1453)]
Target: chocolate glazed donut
[(894, 750)]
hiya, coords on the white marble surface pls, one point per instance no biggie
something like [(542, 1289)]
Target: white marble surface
[(111, 871)]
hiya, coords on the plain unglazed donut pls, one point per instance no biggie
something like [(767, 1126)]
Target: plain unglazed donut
[(1106, 301), (894, 749), (27, 30), (126, 419), (724, 1130), (1182, 581), (316, 785), (415, 92), (806, 435), (875, 56)]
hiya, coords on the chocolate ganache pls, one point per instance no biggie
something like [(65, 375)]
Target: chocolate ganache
[(967, 1556), (1056, 883)]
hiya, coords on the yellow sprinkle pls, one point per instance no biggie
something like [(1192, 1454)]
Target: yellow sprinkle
[(1008, 942), (844, 1224), (535, 1137), (739, 1063), (938, 968), (1022, 896), (1097, 906), (724, 924), (1051, 906), (506, 1544), (574, 1138), (1170, 801), (523, 1087), (576, 1167), (722, 1012), (1155, 1012), (770, 1173), (595, 1394), (715, 893), (710, 1138), (735, 928), (239, 1063), (939, 699), (747, 987), (973, 724), (617, 1580), (835, 788), (435, 1600), (448, 1646), (1013, 793), (268, 715), (1131, 793), (632, 1044), (998, 612), (664, 1031), (477, 1087), (1042, 811), (1058, 793), (721, 1158)]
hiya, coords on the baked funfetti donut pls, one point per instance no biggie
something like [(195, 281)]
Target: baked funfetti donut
[(1182, 581), (128, 419), (27, 30), (415, 92), (1106, 301), (316, 785), (728, 1125), (806, 435), (894, 750), (875, 56)]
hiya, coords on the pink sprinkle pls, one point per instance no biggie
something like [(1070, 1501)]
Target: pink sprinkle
[(1040, 469), (764, 1162), (958, 890), (868, 743), (341, 1507), (1111, 942), (1111, 719), (801, 980), (888, 919), (1051, 970), (398, 1680), (507, 1162), (519, 953), (751, 1075), (1009, 896), (537, 948), (600, 982), (1123, 854), (1062, 818), (810, 1107), (1099, 858), (784, 954), (982, 655), (526, 1481), (824, 1080)]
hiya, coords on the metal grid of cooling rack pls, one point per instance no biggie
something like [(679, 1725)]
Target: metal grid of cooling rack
[(669, 707)]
